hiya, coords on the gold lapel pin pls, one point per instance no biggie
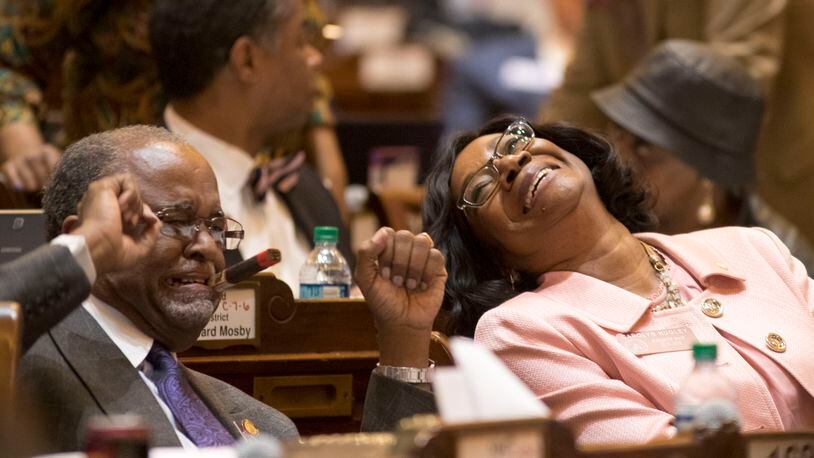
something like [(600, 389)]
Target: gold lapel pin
[(249, 427)]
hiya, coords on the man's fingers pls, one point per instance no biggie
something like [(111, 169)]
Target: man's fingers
[(148, 215)]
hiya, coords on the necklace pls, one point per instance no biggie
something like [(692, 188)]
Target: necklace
[(673, 299)]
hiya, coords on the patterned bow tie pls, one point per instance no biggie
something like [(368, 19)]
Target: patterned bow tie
[(280, 173), (190, 412)]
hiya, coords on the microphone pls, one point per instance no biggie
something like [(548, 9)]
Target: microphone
[(245, 269)]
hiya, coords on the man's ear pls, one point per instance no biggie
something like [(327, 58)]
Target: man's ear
[(70, 224), (243, 59)]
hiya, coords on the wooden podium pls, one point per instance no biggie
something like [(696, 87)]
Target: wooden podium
[(310, 359)]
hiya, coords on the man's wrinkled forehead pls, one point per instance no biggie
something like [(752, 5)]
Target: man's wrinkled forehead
[(156, 156), (164, 169)]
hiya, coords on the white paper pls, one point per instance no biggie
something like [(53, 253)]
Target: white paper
[(483, 389), (178, 452)]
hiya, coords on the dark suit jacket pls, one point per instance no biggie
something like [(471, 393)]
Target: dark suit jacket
[(48, 283), (312, 205), (75, 371)]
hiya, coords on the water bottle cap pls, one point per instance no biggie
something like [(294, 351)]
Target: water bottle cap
[(326, 234), (704, 351)]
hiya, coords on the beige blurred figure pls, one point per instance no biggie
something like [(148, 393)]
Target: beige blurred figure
[(771, 38)]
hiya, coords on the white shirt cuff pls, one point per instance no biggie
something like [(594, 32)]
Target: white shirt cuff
[(80, 252)]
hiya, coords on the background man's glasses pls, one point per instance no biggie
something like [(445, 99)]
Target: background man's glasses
[(481, 186), (226, 232)]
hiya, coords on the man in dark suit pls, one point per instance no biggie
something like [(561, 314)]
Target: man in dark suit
[(115, 353), (115, 230), (238, 75)]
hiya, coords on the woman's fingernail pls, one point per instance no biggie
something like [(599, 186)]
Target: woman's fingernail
[(411, 283), (423, 286), (398, 280), (386, 273)]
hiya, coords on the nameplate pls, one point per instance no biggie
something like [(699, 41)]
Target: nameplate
[(801, 447), (501, 444), (658, 340), (234, 319)]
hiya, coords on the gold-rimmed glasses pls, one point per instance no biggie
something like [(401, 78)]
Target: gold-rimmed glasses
[(176, 223)]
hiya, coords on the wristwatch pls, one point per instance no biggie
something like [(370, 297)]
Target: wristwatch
[(407, 374)]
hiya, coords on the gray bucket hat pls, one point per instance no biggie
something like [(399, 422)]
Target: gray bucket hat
[(694, 102)]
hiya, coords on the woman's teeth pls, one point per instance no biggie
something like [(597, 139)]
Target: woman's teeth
[(533, 188)]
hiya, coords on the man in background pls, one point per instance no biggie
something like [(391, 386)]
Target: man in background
[(238, 74)]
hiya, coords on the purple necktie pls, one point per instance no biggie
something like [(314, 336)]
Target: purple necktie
[(190, 412)]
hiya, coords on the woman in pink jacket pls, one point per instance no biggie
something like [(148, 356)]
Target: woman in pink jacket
[(541, 227)]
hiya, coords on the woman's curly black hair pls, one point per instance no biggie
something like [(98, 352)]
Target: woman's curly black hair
[(477, 281)]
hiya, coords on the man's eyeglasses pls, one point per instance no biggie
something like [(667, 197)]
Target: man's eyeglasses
[(481, 186), (226, 232)]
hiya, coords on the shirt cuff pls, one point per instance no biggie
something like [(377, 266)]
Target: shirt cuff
[(80, 252)]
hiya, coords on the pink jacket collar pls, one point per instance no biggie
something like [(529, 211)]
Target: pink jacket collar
[(617, 309)]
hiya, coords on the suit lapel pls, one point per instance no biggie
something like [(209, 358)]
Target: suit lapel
[(113, 382), (211, 398)]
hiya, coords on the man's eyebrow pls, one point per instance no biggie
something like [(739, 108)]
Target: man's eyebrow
[(185, 207)]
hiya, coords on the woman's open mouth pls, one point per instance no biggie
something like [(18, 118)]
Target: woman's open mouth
[(532, 191)]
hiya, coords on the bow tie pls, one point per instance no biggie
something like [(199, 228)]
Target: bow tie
[(281, 174)]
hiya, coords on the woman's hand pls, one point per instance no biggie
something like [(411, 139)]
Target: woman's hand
[(26, 161), (402, 278)]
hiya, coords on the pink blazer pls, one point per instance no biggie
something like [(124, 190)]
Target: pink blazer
[(562, 341)]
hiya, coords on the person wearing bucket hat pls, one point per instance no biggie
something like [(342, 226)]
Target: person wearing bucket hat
[(688, 118), (772, 39)]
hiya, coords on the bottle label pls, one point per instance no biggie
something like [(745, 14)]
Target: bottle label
[(684, 417), (318, 291), (711, 414)]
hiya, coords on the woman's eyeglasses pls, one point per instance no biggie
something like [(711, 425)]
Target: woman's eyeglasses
[(481, 186)]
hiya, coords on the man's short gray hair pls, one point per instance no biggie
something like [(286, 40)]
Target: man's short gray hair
[(89, 159)]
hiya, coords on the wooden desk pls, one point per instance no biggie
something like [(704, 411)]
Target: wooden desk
[(312, 360)]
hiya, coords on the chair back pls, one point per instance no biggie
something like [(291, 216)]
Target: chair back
[(440, 351), (11, 329), (10, 199)]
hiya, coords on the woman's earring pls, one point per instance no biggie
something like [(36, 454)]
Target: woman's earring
[(706, 211)]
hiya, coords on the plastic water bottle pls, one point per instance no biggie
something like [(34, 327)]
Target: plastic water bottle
[(706, 399), (326, 273)]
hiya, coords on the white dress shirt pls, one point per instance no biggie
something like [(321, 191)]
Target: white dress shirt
[(135, 345), (79, 249), (268, 224)]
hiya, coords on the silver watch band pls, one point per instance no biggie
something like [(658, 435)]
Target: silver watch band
[(407, 374)]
